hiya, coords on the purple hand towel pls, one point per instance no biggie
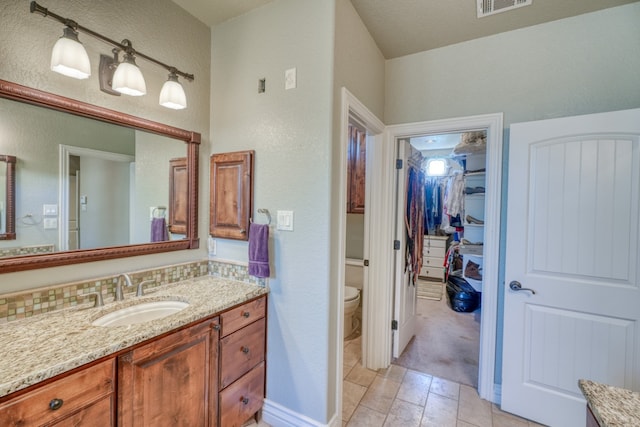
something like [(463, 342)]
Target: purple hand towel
[(259, 250), (159, 230)]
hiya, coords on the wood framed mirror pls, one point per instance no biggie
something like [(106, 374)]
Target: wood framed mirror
[(34, 217)]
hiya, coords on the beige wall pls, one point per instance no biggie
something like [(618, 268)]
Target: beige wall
[(158, 28), (290, 131), (579, 65)]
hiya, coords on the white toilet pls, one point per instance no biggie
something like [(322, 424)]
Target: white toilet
[(351, 302)]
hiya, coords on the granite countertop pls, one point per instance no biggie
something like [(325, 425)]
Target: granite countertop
[(612, 406), (43, 346)]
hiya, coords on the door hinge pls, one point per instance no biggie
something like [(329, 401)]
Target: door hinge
[(398, 163), (396, 245), (366, 263), (394, 325)]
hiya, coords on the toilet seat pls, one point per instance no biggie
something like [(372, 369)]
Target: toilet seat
[(351, 293)]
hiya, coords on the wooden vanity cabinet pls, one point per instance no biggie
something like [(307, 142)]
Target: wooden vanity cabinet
[(82, 398), (242, 362), (171, 381)]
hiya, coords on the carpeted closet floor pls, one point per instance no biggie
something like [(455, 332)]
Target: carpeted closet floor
[(446, 344)]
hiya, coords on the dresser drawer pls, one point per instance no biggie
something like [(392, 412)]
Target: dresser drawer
[(240, 317), (69, 394), (241, 351), (243, 398), (434, 251), (435, 242), (433, 262), (435, 272)]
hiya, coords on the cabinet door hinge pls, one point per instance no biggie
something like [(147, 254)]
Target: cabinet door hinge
[(396, 245), (399, 164), (366, 263), (394, 325)]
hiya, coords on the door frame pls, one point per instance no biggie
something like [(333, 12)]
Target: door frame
[(493, 123), (353, 109), (65, 151)]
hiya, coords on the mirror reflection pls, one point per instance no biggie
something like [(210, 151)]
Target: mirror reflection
[(83, 183)]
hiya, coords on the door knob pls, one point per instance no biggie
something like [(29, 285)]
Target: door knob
[(517, 286)]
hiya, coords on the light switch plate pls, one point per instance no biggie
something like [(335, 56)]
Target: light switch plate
[(49, 210), (290, 79), (285, 220)]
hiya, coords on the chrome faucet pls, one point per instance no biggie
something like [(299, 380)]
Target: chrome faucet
[(140, 290), (127, 281)]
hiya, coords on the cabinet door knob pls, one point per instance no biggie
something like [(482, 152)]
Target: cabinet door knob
[(55, 404), (244, 400), (245, 350), (246, 314), (216, 327)]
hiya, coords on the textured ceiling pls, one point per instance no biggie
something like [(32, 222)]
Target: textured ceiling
[(403, 27)]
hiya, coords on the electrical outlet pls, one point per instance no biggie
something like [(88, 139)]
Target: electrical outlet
[(50, 223)]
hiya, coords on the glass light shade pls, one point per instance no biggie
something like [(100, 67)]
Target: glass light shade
[(172, 94), (128, 78), (69, 57)]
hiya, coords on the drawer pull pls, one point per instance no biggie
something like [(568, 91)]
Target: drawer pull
[(246, 314), (245, 350), (55, 404), (244, 400)]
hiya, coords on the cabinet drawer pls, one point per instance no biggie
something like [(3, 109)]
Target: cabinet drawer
[(74, 391), (241, 351), (433, 251), (436, 272), (240, 317), (433, 262), (242, 399), (430, 242)]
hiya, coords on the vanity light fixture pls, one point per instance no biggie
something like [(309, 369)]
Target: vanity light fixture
[(70, 58)]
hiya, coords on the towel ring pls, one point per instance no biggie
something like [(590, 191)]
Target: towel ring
[(159, 212), (266, 212)]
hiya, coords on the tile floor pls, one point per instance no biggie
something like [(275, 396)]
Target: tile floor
[(402, 397)]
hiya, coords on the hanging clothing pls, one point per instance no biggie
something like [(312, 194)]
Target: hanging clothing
[(433, 205), (414, 222), (454, 196)]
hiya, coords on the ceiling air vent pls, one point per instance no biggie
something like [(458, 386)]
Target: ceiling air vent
[(490, 7)]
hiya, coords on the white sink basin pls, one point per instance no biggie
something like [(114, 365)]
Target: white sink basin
[(140, 313)]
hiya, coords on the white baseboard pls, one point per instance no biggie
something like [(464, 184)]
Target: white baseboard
[(278, 416)]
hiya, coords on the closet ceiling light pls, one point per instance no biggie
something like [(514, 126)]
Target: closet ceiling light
[(70, 58)]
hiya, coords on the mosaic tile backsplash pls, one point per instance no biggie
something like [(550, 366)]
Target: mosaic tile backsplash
[(34, 302)]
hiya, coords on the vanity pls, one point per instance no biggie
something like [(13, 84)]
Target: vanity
[(201, 366)]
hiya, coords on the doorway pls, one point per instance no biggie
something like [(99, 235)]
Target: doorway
[(448, 172), (492, 123)]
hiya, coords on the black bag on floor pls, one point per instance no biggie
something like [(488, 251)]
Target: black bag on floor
[(461, 296)]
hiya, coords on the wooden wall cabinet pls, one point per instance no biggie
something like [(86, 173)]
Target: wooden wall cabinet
[(171, 381), (356, 170), (231, 198), (85, 397), (178, 195)]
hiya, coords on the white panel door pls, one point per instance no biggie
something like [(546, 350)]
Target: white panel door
[(572, 237), (405, 299)]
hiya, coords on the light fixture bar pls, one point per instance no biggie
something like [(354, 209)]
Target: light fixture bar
[(36, 8)]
